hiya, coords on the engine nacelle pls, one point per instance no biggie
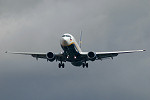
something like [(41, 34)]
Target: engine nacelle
[(50, 56), (92, 56)]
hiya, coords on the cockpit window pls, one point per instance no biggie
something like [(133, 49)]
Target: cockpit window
[(63, 35), (66, 36)]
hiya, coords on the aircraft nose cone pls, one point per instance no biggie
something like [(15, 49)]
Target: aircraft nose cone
[(64, 41)]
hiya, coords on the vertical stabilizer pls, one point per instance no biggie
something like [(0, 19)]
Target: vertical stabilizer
[(80, 41)]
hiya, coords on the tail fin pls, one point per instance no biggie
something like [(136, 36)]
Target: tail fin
[(80, 41)]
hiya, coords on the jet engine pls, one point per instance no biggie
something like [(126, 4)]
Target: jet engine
[(50, 56), (92, 56)]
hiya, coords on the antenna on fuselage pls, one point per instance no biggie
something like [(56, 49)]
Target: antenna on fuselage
[(80, 41)]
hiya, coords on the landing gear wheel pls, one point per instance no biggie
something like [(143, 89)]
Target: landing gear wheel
[(63, 65), (83, 65), (59, 65), (87, 65)]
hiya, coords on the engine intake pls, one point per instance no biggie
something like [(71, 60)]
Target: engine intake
[(50, 56), (92, 56)]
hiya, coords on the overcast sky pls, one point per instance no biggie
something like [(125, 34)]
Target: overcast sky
[(107, 25)]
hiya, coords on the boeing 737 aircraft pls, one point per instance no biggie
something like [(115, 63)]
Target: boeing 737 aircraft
[(72, 53)]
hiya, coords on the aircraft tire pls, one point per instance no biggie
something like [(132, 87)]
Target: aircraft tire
[(83, 65), (59, 65), (63, 65), (87, 65)]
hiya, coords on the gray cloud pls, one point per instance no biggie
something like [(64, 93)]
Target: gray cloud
[(17, 6), (34, 25)]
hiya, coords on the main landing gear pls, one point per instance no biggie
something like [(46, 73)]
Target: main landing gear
[(61, 65), (85, 65)]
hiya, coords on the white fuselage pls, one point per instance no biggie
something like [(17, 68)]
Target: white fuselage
[(71, 49), (67, 40)]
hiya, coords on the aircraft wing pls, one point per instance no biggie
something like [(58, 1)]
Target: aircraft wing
[(102, 55), (33, 54), (37, 55)]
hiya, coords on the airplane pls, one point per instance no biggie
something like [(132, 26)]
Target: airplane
[(72, 53)]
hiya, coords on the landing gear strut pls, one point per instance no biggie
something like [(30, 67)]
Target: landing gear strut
[(85, 65), (61, 65)]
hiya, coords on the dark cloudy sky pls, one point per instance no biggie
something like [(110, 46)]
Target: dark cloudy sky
[(107, 25)]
